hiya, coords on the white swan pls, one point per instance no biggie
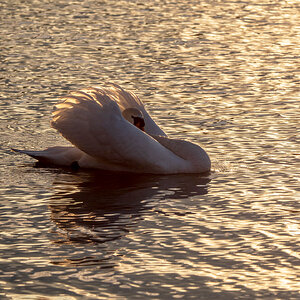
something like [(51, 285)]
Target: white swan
[(111, 130)]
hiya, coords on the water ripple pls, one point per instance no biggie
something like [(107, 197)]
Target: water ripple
[(224, 75)]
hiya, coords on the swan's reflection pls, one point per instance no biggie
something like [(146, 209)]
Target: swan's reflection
[(100, 207)]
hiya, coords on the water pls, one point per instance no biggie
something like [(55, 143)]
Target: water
[(224, 74)]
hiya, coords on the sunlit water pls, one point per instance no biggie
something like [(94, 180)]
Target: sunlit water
[(224, 74)]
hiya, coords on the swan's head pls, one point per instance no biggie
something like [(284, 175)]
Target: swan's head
[(135, 117)]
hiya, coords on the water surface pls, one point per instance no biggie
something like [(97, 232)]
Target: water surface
[(224, 74)]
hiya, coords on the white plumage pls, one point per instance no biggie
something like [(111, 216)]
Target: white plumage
[(91, 119)]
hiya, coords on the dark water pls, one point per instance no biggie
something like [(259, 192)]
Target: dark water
[(224, 74)]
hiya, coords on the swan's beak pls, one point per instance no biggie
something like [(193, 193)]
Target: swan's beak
[(139, 123)]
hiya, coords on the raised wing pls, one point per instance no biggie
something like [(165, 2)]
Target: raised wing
[(127, 99), (91, 120)]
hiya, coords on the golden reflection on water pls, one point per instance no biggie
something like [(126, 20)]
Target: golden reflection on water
[(221, 74)]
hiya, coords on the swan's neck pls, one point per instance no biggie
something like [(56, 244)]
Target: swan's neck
[(197, 160)]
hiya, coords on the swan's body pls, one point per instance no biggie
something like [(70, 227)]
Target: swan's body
[(97, 121)]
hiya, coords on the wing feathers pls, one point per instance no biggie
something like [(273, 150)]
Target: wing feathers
[(127, 99), (91, 119)]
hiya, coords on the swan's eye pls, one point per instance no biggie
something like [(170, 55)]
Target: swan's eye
[(138, 122)]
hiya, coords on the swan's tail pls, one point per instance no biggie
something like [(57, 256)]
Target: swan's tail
[(35, 154), (58, 155)]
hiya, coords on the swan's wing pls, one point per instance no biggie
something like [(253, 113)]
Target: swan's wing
[(92, 121), (127, 99)]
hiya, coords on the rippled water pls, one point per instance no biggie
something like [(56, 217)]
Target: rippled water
[(224, 74)]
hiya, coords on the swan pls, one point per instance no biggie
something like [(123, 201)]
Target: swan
[(110, 129)]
